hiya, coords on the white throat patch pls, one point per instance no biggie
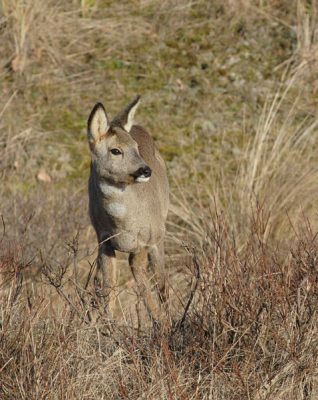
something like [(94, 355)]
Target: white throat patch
[(116, 209), (142, 179), (109, 190)]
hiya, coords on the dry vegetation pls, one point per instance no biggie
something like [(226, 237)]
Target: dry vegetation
[(229, 91)]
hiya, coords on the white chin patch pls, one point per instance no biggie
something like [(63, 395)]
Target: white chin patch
[(142, 179), (109, 190)]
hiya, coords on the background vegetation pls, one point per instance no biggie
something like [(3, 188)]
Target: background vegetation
[(229, 92)]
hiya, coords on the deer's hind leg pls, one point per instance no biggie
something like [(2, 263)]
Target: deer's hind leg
[(138, 264), (157, 264)]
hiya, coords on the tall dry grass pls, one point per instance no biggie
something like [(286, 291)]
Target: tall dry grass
[(247, 329), (277, 167)]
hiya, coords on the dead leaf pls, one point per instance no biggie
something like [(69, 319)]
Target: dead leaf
[(43, 176), (153, 36), (180, 83), (37, 53), (27, 132), (16, 63)]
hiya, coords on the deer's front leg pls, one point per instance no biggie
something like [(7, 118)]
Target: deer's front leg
[(105, 278), (138, 263)]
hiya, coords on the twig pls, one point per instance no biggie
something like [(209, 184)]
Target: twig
[(8, 103), (74, 247), (192, 293)]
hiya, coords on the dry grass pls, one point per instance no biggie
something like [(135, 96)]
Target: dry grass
[(277, 166), (229, 93), (246, 330)]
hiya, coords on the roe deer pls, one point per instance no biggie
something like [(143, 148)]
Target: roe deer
[(128, 201)]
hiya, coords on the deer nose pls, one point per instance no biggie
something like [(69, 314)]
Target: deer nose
[(147, 172), (142, 171)]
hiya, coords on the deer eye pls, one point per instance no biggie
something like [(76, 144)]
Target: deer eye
[(116, 152)]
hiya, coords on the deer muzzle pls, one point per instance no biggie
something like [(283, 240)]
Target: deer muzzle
[(142, 174)]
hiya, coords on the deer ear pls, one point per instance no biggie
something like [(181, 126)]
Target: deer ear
[(131, 113), (125, 118), (98, 124)]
